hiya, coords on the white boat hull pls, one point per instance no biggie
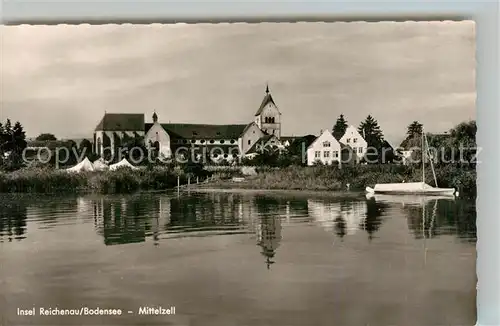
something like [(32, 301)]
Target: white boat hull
[(411, 188), (407, 199)]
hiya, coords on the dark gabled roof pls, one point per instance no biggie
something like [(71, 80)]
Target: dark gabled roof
[(202, 131), (121, 122), (267, 99)]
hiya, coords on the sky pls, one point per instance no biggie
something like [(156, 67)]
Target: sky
[(62, 79)]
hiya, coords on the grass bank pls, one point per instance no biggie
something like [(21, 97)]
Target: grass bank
[(327, 178), (45, 180)]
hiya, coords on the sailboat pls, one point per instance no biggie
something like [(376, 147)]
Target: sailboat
[(414, 188)]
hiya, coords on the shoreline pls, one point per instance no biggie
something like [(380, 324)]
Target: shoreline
[(210, 188), (294, 179)]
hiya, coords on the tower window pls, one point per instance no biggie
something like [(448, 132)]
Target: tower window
[(249, 142)]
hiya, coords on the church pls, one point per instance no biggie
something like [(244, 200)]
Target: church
[(173, 139)]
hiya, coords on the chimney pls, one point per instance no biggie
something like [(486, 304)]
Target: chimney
[(321, 132)]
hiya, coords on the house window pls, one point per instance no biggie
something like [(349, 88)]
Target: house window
[(336, 153), (348, 140), (360, 150), (326, 154), (326, 144), (355, 149), (193, 141), (212, 141), (317, 154), (354, 140), (249, 142), (222, 141), (232, 141), (202, 141)]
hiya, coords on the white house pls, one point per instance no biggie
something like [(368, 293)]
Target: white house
[(325, 149), (353, 139)]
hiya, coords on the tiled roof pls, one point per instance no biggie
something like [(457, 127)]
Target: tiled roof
[(202, 131), (121, 122), (267, 99)]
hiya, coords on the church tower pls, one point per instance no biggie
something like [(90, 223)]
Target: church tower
[(268, 117)]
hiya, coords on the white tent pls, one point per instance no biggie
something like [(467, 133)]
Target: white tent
[(121, 164), (100, 165), (84, 165)]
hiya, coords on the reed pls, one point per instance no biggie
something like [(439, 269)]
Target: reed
[(46, 180), (321, 178), (358, 177)]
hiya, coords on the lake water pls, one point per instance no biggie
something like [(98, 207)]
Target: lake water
[(239, 258)]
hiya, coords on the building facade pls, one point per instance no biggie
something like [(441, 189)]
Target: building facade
[(326, 150), (174, 139), (354, 140)]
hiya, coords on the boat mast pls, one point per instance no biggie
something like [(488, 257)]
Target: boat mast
[(423, 162), (430, 159)]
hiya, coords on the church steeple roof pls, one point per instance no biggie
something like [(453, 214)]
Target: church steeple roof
[(267, 99), (155, 117)]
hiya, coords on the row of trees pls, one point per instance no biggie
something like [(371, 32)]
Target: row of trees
[(373, 135), (457, 145), (12, 144)]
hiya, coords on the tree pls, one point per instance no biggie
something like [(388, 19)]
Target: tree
[(13, 142), (370, 130), (134, 148), (85, 145), (340, 127), (463, 140), (46, 137), (413, 135), (414, 129), (19, 137)]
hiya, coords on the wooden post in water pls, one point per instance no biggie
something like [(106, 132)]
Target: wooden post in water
[(189, 181), (197, 180)]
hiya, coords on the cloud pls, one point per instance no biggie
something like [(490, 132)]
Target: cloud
[(398, 72)]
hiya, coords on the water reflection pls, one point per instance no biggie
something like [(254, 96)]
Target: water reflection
[(141, 218), (373, 217), (269, 237), (344, 217), (13, 215), (73, 254)]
